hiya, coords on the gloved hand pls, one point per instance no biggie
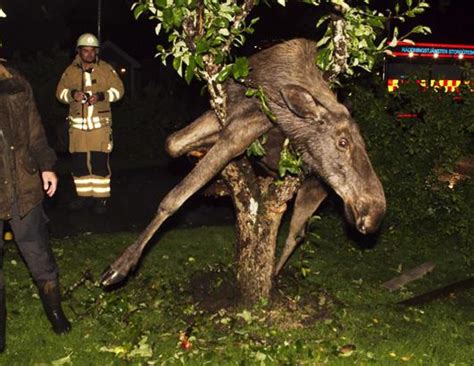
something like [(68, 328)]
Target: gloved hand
[(94, 98), (79, 96)]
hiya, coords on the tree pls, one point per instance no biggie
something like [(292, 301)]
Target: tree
[(201, 35)]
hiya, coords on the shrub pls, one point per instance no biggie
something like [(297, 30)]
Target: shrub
[(408, 154)]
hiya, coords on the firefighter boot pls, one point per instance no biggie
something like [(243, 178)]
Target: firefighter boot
[(3, 319), (100, 206), (51, 299)]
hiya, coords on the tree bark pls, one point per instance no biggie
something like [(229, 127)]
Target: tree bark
[(259, 204)]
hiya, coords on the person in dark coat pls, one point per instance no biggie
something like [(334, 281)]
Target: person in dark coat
[(26, 174)]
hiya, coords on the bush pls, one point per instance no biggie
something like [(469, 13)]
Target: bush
[(409, 154)]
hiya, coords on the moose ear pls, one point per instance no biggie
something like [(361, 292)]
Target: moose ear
[(300, 101)]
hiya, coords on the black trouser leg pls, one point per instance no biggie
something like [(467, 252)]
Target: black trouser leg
[(31, 237)]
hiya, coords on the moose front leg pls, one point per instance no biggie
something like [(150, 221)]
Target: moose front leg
[(233, 141), (204, 131), (308, 199)]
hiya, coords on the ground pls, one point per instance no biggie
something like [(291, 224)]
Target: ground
[(181, 305)]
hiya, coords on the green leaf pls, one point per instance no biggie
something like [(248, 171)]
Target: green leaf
[(189, 74), (177, 65), (256, 148), (168, 17), (323, 58), (224, 73), (250, 92), (421, 29), (138, 10), (289, 162), (322, 20), (202, 46), (241, 68), (160, 3), (246, 316), (62, 361), (323, 41), (143, 349)]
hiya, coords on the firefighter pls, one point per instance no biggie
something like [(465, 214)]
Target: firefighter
[(26, 172), (88, 86)]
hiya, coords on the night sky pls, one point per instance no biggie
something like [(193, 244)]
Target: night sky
[(40, 25)]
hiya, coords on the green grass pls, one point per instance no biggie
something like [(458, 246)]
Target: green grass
[(338, 301)]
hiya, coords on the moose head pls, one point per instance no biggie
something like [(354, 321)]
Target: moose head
[(330, 143)]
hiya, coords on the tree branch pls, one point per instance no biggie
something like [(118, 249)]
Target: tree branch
[(340, 40)]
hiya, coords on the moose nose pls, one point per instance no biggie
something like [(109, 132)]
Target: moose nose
[(370, 221), (361, 225)]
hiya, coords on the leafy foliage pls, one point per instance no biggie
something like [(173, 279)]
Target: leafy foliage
[(366, 35), (410, 154), (211, 22), (199, 30), (201, 35)]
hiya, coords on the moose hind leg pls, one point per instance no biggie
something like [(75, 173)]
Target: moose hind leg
[(308, 199), (235, 138)]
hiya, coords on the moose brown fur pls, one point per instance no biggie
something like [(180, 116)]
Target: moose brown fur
[(318, 127)]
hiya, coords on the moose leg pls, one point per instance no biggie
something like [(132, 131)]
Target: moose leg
[(308, 199), (233, 140), (204, 131)]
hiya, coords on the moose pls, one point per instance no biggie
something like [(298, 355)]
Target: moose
[(308, 113)]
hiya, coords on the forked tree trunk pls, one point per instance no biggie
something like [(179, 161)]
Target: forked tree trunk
[(259, 204)]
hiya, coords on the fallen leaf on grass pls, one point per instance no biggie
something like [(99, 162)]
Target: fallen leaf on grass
[(184, 338), (347, 350), (116, 350), (184, 343), (63, 361), (143, 349)]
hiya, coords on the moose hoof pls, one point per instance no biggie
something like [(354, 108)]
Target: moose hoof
[(111, 277)]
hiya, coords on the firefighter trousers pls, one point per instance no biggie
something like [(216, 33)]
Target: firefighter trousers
[(91, 173), (31, 237)]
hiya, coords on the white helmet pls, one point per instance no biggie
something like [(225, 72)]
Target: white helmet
[(87, 40)]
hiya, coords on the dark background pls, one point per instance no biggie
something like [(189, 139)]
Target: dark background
[(40, 25)]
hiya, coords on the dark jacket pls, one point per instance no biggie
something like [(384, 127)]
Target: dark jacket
[(24, 150)]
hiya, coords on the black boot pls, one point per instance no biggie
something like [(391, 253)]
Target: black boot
[(51, 299), (80, 203), (3, 319), (100, 206)]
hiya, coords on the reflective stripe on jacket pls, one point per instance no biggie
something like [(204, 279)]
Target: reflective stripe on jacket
[(103, 80)]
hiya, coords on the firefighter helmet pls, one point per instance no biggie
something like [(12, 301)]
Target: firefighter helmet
[(87, 40)]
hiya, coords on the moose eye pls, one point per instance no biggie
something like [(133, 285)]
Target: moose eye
[(343, 143)]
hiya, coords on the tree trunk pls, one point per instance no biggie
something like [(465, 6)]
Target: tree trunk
[(259, 204)]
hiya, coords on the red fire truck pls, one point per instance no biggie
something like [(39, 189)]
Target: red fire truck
[(442, 66)]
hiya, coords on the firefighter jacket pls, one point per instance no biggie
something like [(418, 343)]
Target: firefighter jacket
[(24, 150), (102, 80)]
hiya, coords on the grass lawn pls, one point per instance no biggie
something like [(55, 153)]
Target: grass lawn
[(328, 306)]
